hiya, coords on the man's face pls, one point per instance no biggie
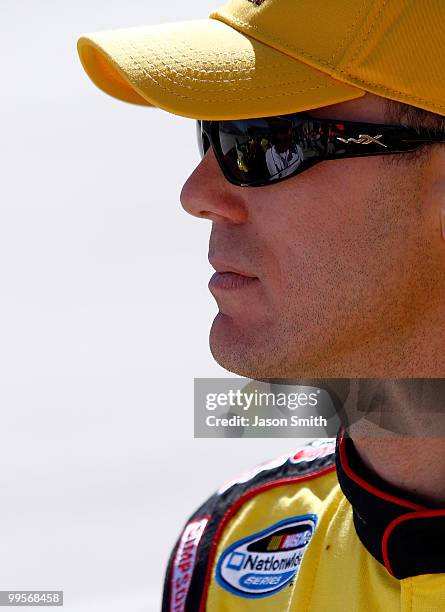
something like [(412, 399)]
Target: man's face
[(282, 139), (347, 258)]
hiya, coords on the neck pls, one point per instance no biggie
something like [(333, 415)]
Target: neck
[(401, 438), (393, 462)]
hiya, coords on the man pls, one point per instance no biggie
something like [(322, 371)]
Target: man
[(349, 273), (334, 270), (285, 155)]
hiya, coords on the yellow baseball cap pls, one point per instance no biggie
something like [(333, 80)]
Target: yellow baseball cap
[(256, 58)]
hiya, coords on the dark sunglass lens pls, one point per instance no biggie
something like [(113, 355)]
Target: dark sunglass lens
[(260, 151)]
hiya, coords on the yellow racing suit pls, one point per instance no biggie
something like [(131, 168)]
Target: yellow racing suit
[(309, 532)]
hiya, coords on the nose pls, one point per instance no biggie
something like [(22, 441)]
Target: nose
[(208, 195)]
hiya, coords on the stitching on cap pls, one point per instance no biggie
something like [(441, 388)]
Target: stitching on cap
[(366, 38), (216, 17), (194, 79), (389, 90), (196, 99), (271, 66), (221, 54), (181, 75), (304, 54), (204, 71), (184, 77), (275, 38), (351, 27)]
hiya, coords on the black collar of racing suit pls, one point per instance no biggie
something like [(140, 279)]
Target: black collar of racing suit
[(403, 534)]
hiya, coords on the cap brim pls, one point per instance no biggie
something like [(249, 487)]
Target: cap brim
[(205, 69)]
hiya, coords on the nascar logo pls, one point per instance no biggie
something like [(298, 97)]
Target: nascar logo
[(265, 562)]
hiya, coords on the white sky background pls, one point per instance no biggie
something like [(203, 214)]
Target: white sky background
[(104, 319)]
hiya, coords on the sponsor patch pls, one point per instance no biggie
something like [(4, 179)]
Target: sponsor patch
[(264, 563), (184, 563)]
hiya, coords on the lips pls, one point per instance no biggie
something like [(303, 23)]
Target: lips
[(228, 277)]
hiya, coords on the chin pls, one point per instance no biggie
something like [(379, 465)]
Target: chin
[(258, 353), (236, 363), (246, 353), (232, 347)]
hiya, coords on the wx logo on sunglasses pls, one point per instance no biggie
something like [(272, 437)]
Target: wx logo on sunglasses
[(364, 139)]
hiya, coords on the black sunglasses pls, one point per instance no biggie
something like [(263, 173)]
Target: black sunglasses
[(263, 151)]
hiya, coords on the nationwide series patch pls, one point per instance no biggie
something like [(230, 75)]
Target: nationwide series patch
[(265, 562)]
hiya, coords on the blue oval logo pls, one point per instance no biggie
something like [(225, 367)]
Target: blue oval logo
[(265, 562)]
